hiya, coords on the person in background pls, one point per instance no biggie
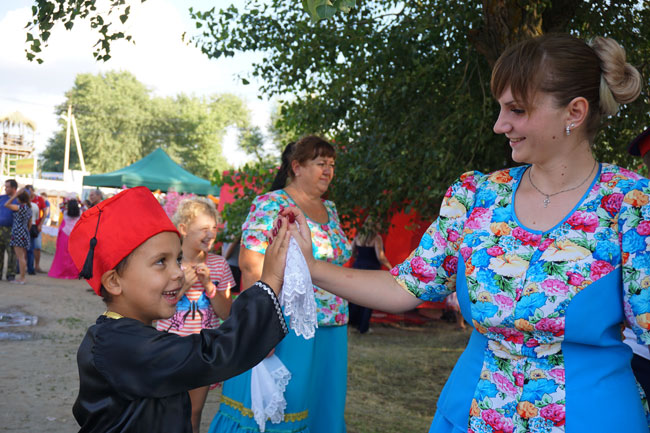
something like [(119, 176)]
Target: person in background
[(95, 196), (6, 221), (62, 265), (231, 254), (640, 146), (34, 253), (452, 304), (22, 222), (548, 258), (33, 230), (48, 214), (368, 253), (204, 300), (316, 393)]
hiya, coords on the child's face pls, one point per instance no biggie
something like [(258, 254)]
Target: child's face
[(152, 279), (199, 234)]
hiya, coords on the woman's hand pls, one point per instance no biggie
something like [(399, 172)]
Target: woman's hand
[(300, 232), (275, 258)]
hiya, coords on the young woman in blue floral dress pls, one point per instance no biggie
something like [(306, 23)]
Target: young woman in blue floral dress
[(316, 393), (548, 259)]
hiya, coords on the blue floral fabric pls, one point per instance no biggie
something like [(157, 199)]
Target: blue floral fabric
[(520, 284)]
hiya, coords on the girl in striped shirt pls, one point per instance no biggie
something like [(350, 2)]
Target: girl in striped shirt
[(205, 298)]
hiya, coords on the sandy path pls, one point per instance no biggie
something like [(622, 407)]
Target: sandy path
[(38, 377)]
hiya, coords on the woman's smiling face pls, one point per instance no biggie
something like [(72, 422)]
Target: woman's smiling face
[(535, 133)]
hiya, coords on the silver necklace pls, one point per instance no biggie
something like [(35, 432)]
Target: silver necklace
[(547, 197)]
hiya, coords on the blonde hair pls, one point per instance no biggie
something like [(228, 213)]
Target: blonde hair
[(189, 208), (620, 82)]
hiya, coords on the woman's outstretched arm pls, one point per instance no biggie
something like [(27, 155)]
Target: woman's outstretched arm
[(373, 289)]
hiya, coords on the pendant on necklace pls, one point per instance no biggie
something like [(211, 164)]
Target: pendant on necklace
[(547, 200)]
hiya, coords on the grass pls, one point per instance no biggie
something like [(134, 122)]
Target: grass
[(396, 374), (72, 323)]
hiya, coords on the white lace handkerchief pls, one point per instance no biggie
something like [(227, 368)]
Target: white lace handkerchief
[(269, 379), (297, 296)]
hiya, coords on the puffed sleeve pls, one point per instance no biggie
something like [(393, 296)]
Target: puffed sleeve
[(634, 226), (259, 222), (429, 273)]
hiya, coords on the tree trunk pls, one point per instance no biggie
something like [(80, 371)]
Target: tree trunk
[(508, 21)]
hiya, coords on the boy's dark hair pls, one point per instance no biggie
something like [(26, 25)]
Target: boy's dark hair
[(119, 268), (12, 182), (23, 197), (73, 208)]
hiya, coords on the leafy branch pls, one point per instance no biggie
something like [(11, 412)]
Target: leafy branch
[(47, 13)]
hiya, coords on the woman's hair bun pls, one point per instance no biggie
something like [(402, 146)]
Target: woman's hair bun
[(620, 82)]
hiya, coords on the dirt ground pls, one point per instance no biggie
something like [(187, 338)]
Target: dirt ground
[(38, 377)]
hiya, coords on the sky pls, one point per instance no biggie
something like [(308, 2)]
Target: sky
[(159, 59)]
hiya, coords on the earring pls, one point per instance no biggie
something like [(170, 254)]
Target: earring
[(567, 130)]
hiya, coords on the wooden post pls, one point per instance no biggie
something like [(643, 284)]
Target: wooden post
[(66, 158), (78, 143)]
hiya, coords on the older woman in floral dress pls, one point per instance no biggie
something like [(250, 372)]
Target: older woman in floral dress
[(316, 392)]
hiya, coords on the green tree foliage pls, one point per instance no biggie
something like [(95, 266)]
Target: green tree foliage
[(47, 13), (253, 178), (403, 87), (193, 129), (249, 181), (112, 114), (109, 19), (120, 122)]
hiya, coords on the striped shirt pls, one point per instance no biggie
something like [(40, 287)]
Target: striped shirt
[(194, 311)]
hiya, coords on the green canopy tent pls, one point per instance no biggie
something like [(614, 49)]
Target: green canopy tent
[(155, 171)]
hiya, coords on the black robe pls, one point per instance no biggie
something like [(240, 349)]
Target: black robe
[(134, 378)]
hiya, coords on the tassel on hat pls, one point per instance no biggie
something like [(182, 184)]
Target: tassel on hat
[(87, 270)]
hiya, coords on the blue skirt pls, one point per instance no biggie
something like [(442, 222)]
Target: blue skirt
[(315, 394)]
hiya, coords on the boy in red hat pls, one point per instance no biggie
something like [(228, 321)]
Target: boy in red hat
[(134, 378)]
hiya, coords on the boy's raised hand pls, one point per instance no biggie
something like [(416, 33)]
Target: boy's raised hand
[(275, 258)]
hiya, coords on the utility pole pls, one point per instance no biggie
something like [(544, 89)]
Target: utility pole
[(66, 157), (71, 122), (78, 143)]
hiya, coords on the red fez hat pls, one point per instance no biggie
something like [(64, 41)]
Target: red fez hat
[(641, 144), (110, 230)]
